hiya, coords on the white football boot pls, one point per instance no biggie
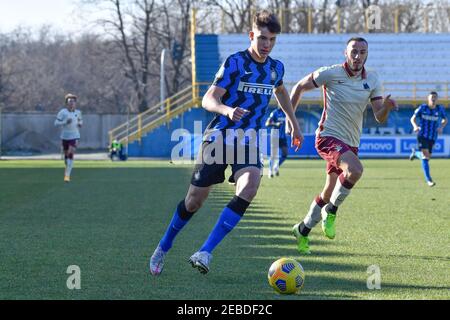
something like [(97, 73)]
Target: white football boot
[(201, 260), (157, 261)]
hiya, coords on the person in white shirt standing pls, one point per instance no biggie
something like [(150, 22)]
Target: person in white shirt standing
[(348, 88), (70, 120)]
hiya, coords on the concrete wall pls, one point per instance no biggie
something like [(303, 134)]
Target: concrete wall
[(37, 133)]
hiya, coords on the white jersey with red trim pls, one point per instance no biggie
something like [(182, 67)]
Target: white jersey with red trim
[(70, 131), (346, 97)]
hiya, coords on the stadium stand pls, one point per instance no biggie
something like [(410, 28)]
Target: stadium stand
[(400, 59), (410, 66)]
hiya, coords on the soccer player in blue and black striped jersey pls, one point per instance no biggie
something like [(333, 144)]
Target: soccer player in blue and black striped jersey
[(428, 120), (239, 96)]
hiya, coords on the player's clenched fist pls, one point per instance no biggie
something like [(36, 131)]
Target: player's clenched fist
[(296, 137), (236, 114)]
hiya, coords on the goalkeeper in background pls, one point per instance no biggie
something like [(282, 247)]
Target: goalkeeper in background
[(116, 150)]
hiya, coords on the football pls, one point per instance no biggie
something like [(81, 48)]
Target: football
[(286, 276)]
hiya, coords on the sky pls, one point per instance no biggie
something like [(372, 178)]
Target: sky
[(63, 15)]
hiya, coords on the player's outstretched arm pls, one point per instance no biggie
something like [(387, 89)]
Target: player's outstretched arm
[(212, 101), (284, 101), (306, 84), (382, 108)]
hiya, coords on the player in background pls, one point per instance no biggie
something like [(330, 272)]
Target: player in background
[(428, 120), (239, 95), (70, 121), (347, 89), (278, 140)]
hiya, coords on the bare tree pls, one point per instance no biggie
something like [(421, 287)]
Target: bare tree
[(408, 18), (142, 29), (38, 69), (326, 18), (438, 16), (171, 32), (238, 12), (105, 69), (129, 26), (284, 11), (299, 16), (6, 70)]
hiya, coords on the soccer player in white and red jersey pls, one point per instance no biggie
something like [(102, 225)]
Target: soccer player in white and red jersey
[(347, 89), (70, 120)]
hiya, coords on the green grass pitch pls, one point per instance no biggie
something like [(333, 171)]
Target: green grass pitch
[(111, 216)]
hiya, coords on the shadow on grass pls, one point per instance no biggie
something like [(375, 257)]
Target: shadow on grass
[(401, 256), (316, 284), (123, 235), (264, 235)]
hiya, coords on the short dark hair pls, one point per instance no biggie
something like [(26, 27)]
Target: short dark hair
[(357, 39), (267, 19), (433, 92)]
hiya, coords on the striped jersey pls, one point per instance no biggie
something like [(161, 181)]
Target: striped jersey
[(70, 130), (277, 119), (346, 96), (249, 85), (429, 120)]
